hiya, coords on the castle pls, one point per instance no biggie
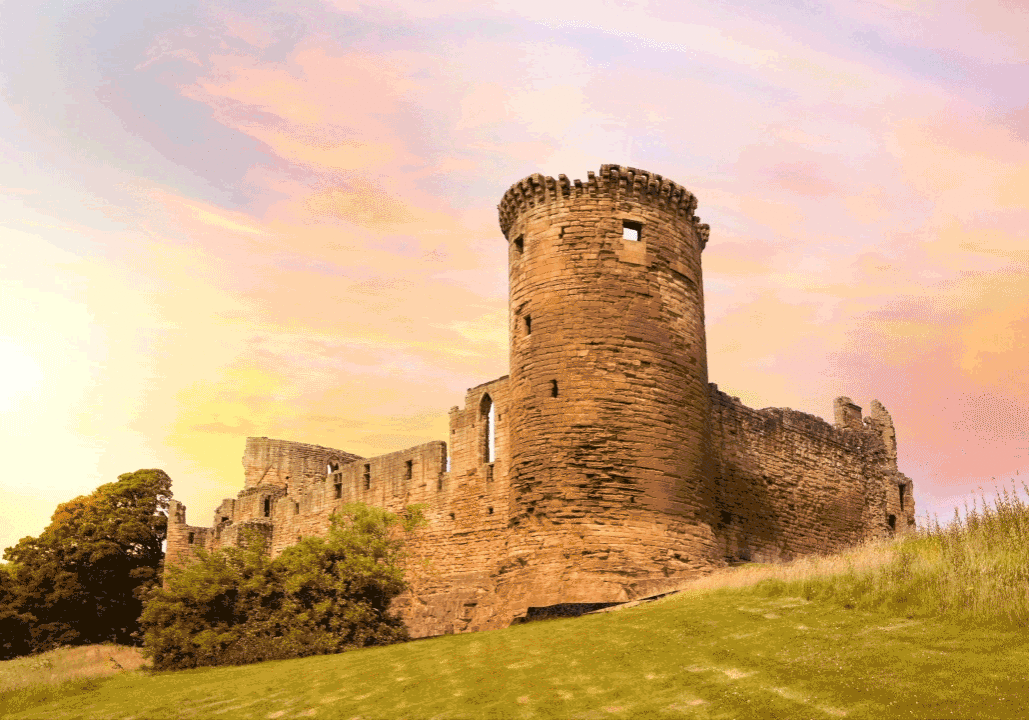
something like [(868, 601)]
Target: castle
[(605, 468)]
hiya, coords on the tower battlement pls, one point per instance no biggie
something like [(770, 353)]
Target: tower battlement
[(614, 181)]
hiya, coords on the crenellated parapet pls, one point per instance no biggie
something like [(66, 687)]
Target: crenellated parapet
[(614, 181)]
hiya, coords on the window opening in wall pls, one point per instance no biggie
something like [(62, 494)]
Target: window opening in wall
[(267, 507), (224, 519), (631, 230), (528, 324), (901, 489), (451, 516), (339, 490), (296, 508), (892, 520), (490, 511), (190, 538), (519, 244), (488, 413), (367, 477), (553, 388), (409, 469), (439, 483)]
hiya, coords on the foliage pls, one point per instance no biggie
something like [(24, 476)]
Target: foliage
[(322, 595), (83, 580)]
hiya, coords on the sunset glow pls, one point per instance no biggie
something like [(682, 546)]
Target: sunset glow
[(280, 219)]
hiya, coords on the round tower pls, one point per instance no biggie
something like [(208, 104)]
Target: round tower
[(609, 405)]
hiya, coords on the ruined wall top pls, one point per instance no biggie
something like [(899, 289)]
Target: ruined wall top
[(847, 414), (614, 182), (267, 461)]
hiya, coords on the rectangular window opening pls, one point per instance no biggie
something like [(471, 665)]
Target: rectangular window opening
[(631, 230), (367, 477), (339, 490), (901, 489), (191, 538), (528, 324), (553, 388), (519, 244), (409, 466), (267, 507)]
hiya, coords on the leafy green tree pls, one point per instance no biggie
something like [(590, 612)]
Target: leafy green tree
[(15, 635), (322, 595), (84, 578)]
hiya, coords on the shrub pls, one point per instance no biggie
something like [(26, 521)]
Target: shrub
[(236, 606)]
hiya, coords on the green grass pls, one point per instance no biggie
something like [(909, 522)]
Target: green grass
[(931, 625)]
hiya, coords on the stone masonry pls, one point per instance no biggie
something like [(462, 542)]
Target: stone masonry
[(605, 468)]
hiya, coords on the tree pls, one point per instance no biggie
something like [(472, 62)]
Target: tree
[(84, 578), (15, 634), (322, 595)]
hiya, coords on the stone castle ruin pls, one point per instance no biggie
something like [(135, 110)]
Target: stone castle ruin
[(605, 468)]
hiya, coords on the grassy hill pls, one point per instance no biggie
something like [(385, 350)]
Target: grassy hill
[(932, 625)]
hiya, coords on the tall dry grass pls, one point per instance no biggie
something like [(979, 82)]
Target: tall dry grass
[(36, 679), (68, 663), (975, 569)]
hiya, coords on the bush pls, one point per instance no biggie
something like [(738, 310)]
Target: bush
[(235, 606)]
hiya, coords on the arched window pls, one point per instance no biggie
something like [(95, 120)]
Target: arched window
[(488, 418)]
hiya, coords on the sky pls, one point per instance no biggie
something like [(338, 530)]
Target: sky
[(232, 219)]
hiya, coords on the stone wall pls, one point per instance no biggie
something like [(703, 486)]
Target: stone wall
[(791, 484), (787, 484), (467, 508)]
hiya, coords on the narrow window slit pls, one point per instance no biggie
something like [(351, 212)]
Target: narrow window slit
[(553, 388)]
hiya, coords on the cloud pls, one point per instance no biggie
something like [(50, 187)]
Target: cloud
[(805, 178), (361, 204)]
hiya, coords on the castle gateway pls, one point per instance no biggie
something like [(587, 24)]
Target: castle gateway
[(605, 468)]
